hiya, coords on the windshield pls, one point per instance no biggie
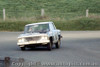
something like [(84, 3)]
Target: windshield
[(37, 28)]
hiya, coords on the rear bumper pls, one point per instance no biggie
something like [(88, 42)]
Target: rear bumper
[(43, 42)]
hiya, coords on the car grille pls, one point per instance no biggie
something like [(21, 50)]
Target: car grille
[(36, 38)]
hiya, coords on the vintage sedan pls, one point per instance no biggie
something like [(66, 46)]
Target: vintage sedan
[(40, 34)]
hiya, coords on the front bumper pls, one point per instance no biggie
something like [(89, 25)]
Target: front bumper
[(42, 42)]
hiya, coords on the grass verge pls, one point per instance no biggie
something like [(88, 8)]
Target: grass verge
[(70, 25)]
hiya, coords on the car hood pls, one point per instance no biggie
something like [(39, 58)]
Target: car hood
[(32, 35)]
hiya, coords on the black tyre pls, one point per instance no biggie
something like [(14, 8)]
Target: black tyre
[(49, 46), (32, 47), (22, 48), (58, 44)]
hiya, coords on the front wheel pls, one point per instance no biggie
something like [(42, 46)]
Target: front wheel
[(22, 48), (49, 46), (58, 44)]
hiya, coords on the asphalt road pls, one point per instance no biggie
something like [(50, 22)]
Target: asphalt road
[(77, 47)]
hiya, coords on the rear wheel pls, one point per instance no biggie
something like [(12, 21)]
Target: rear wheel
[(22, 48)]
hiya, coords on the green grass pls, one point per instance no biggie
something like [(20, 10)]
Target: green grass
[(66, 14), (79, 24), (73, 25), (66, 9)]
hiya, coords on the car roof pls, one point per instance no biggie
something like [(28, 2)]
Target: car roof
[(39, 23)]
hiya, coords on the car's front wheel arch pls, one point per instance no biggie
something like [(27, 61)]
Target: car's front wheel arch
[(50, 43)]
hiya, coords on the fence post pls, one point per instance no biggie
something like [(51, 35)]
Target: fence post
[(42, 12), (87, 12), (4, 14), (7, 61)]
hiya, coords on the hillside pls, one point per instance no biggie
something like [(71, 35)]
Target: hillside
[(53, 8), (66, 14)]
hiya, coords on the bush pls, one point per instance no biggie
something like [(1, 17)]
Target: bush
[(77, 24)]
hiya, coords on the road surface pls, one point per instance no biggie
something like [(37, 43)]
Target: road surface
[(77, 47)]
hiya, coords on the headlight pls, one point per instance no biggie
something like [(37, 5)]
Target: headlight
[(45, 37), (21, 40)]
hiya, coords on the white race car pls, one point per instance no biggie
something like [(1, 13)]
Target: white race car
[(40, 34)]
